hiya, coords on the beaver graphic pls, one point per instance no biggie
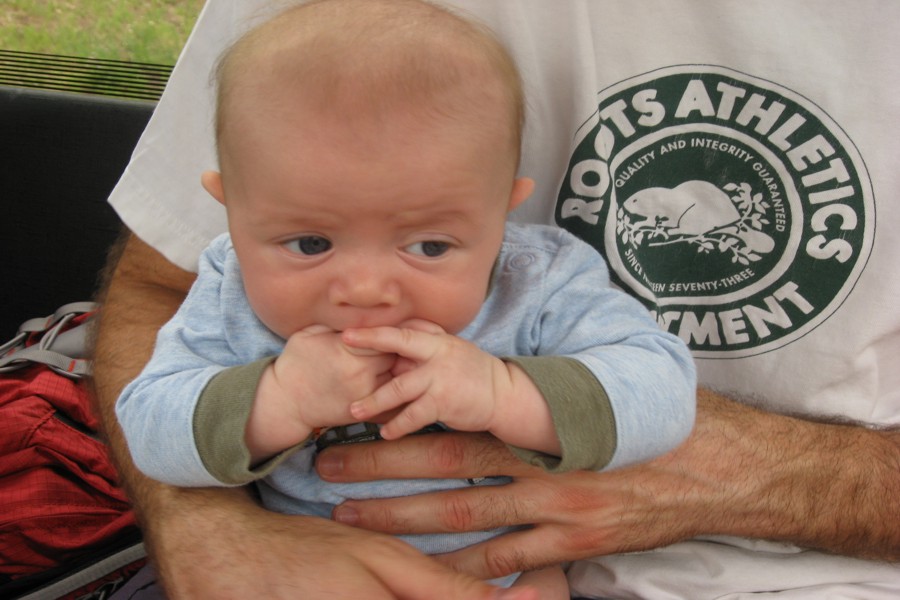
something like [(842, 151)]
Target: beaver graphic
[(694, 208)]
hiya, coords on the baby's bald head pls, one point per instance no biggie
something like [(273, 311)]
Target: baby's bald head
[(373, 60)]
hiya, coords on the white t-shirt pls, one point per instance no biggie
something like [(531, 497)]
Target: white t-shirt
[(736, 163)]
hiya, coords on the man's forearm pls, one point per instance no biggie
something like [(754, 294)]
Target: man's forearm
[(830, 486), (742, 472), (141, 292)]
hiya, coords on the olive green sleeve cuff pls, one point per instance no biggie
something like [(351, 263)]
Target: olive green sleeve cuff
[(220, 423), (581, 413)]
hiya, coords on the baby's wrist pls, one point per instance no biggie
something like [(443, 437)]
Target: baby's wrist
[(274, 424), (505, 404), (528, 422)]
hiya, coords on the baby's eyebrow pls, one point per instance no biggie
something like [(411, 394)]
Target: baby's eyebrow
[(288, 218), (449, 214)]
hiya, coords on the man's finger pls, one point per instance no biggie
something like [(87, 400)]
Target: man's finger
[(524, 550), (419, 578), (449, 511), (437, 455)]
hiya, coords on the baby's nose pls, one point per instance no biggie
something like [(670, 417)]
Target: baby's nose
[(365, 286)]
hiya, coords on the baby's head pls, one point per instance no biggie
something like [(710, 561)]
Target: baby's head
[(363, 63), (348, 127)]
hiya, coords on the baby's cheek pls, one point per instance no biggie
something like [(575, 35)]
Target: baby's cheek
[(459, 312), (279, 315)]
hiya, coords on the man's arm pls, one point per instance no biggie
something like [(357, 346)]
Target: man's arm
[(742, 472), (218, 543), (141, 291)]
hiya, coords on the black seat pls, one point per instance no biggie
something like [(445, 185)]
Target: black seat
[(60, 156)]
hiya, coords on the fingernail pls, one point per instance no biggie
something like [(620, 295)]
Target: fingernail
[(346, 515), (512, 594), (328, 464), (357, 410)]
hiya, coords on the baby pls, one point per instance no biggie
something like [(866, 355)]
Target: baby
[(368, 152)]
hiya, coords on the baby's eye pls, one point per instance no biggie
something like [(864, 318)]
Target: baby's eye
[(309, 245), (431, 249)]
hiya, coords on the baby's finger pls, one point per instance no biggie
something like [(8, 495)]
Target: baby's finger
[(402, 365), (415, 345), (355, 351), (422, 325), (393, 394), (412, 418), (314, 330)]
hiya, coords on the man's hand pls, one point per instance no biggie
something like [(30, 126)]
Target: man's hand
[(742, 472), (238, 550), (573, 515)]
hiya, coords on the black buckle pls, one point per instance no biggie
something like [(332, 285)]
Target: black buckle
[(360, 432)]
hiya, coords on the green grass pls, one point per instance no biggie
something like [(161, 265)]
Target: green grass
[(151, 31)]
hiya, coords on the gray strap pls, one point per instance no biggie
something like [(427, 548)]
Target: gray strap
[(62, 351), (41, 324), (62, 364)]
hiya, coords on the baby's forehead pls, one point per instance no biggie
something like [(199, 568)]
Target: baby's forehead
[(373, 58), (324, 27), (371, 40)]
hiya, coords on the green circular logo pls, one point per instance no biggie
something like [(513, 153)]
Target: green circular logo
[(736, 210)]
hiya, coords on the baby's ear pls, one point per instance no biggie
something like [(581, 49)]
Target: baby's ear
[(521, 190), (212, 183)]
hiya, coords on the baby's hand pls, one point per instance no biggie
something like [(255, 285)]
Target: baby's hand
[(322, 376), (310, 385), (437, 377)]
